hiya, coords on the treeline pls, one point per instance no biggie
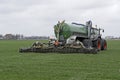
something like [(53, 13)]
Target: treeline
[(112, 37), (21, 37)]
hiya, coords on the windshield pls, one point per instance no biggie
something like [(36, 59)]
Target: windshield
[(94, 31)]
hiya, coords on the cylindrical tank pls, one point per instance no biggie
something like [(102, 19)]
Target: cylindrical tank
[(64, 30)]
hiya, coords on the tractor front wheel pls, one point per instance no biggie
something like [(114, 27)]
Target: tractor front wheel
[(104, 44), (98, 44)]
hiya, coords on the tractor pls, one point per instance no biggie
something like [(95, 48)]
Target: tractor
[(72, 38)]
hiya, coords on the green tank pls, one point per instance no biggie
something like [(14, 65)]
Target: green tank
[(64, 30)]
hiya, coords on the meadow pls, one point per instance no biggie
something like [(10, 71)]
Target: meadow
[(53, 66)]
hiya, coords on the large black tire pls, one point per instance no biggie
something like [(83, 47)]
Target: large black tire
[(87, 43), (97, 44), (103, 44)]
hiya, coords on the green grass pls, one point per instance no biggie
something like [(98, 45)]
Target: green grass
[(18, 66)]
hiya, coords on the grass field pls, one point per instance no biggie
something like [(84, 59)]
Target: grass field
[(18, 66)]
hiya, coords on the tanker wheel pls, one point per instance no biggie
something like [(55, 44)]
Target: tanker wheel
[(98, 44), (87, 43), (104, 44)]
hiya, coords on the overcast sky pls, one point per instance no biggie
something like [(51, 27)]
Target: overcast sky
[(37, 17)]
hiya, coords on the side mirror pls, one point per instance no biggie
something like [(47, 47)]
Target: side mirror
[(103, 30)]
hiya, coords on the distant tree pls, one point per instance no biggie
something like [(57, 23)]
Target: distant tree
[(9, 36), (1, 36), (18, 36)]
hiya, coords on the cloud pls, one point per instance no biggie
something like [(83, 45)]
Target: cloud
[(37, 17)]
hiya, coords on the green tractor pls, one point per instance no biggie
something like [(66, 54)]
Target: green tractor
[(72, 38)]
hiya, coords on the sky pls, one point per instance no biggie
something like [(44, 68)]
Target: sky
[(37, 17)]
